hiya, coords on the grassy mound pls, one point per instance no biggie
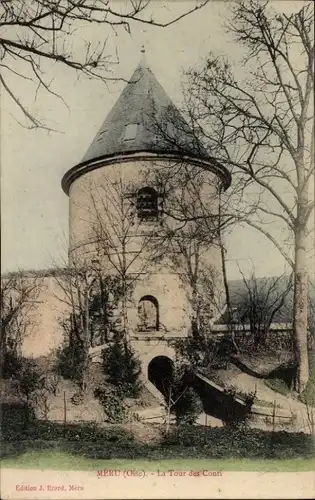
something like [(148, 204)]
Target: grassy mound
[(308, 395)]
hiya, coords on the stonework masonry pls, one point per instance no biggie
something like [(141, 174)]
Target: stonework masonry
[(107, 231)]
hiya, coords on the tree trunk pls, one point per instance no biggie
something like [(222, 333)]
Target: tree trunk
[(126, 337), (104, 304), (85, 374), (300, 309), (3, 346), (225, 282), (168, 414), (195, 323)]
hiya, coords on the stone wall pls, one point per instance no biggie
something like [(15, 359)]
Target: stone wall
[(44, 333), (100, 199)]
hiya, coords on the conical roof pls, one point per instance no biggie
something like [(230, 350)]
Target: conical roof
[(144, 118)]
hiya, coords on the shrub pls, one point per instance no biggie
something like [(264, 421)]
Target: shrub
[(203, 351), (227, 442), (29, 378), (13, 419), (239, 419), (28, 381), (181, 398), (122, 368), (188, 407), (70, 361), (11, 364), (113, 404), (77, 398)]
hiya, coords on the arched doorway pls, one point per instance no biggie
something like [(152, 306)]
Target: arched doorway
[(160, 373)]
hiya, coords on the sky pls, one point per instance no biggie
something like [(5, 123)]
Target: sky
[(34, 207)]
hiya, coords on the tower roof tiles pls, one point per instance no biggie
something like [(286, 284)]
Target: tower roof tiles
[(144, 118)]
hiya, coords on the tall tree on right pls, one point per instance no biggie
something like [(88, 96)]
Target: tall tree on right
[(260, 122)]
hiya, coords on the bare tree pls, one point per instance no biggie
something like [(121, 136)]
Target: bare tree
[(40, 31), (182, 403), (92, 298), (124, 245), (19, 294), (311, 317), (189, 230), (104, 267), (261, 125), (76, 285), (260, 302)]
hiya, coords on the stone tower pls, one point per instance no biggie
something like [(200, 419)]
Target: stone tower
[(135, 202)]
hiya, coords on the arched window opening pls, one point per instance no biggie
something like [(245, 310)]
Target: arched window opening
[(147, 204), (148, 314)]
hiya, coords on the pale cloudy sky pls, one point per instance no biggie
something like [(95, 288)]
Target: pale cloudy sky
[(34, 207)]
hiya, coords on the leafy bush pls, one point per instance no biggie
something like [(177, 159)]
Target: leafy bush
[(23, 371), (70, 360), (113, 404), (29, 378), (202, 351), (228, 442), (239, 419), (13, 419), (11, 364), (188, 407), (77, 398), (122, 368), (28, 382), (186, 404)]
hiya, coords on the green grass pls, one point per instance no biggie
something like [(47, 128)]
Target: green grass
[(55, 460), (278, 385), (262, 402), (308, 395), (50, 445)]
